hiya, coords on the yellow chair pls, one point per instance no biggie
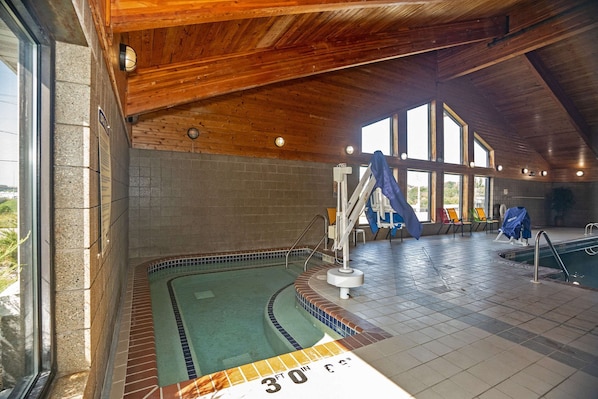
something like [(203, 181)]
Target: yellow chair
[(457, 222), (480, 216)]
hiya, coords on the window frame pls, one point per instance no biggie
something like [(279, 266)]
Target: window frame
[(459, 189), (429, 132), (429, 187), (448, 113), (35, 90), (391, 136)]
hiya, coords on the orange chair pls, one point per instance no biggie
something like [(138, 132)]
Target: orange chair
[(457, 222), (480, 217)]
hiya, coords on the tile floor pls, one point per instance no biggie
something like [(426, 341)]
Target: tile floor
[(463, 323)]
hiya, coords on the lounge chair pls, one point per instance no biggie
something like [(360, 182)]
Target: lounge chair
[(480, 217), (516, 226), (450, 217)]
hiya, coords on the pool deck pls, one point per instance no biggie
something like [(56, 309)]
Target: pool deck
[(451, 319)]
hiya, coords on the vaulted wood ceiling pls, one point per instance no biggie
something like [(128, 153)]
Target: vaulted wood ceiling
[(535, 61)]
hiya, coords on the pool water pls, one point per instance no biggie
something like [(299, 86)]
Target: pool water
[(207, 322), (582, 265)]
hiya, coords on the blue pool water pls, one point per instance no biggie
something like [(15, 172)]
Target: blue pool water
[(206, 322), (580, 257)]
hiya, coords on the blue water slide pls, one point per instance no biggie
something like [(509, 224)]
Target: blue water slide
[(390, 188)]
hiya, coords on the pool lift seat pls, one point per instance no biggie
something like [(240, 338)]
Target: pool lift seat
[(386, 216)]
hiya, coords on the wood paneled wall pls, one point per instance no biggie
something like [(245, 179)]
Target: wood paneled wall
[(318, 117)]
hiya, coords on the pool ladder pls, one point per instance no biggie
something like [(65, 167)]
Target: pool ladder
[(554, 252), (588, 232), (313, 220)]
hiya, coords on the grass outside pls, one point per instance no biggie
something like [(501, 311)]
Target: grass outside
[(9, 243)]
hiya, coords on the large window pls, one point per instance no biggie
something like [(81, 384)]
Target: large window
[(25, 305), (418, 132), (453, 192), (453, 140), (481, 193), (481, 155), (418, 193), (377, 136)]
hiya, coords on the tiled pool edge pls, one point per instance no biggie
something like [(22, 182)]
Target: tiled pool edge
[(137, 351)]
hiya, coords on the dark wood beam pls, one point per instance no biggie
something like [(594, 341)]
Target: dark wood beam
[(169, 85), (454, 63), (550, 83), (131, 15)]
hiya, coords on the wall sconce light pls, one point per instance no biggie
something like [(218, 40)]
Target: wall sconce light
[(349, 149), (403, 156), (127, 58), (579, 173), (193, 133), (471, 164), (279, 141), (525, 171), (544, 173), (499, 168)]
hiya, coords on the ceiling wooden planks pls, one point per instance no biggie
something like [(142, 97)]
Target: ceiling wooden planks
[(535, 64), (155, 88)]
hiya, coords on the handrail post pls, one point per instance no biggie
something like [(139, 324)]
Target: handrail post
[(537, 256)]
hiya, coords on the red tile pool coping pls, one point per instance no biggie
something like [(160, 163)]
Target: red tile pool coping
[(141, 376)]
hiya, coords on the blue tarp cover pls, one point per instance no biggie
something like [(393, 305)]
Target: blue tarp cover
[(387, 183), (516, 219)]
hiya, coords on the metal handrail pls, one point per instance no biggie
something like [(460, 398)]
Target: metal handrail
[(313, 220), (554, 252), (589, 228), (313, 252), (588, 231)]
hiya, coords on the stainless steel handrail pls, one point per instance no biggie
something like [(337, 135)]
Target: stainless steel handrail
[(589, 228), (313, 252), (554, 252), (313, 220)]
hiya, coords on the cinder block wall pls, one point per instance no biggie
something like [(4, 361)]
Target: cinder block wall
[(183, 203), (88, 283)]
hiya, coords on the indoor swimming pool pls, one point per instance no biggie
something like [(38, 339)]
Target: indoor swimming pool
[(580, 258), (217, 315)]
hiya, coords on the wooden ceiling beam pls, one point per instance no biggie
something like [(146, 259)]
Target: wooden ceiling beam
[(132, 15), (550, 83), (169, 85), (454, 63)]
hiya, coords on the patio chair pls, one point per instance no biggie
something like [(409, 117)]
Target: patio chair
[(450, 217), (457, 221), (480, 217)]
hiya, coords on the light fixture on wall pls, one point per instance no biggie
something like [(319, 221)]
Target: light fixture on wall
[(403, 156), (579, 173), (471, 164), (193, 133), (544, 173), (349, 149), (127, 58), (499, 168), (279, 141), (525, 171)]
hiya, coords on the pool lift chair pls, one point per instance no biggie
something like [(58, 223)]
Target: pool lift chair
[(379, 211), (377, 174), (516, 226)]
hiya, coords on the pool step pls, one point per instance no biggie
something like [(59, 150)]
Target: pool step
[(291, 321)]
